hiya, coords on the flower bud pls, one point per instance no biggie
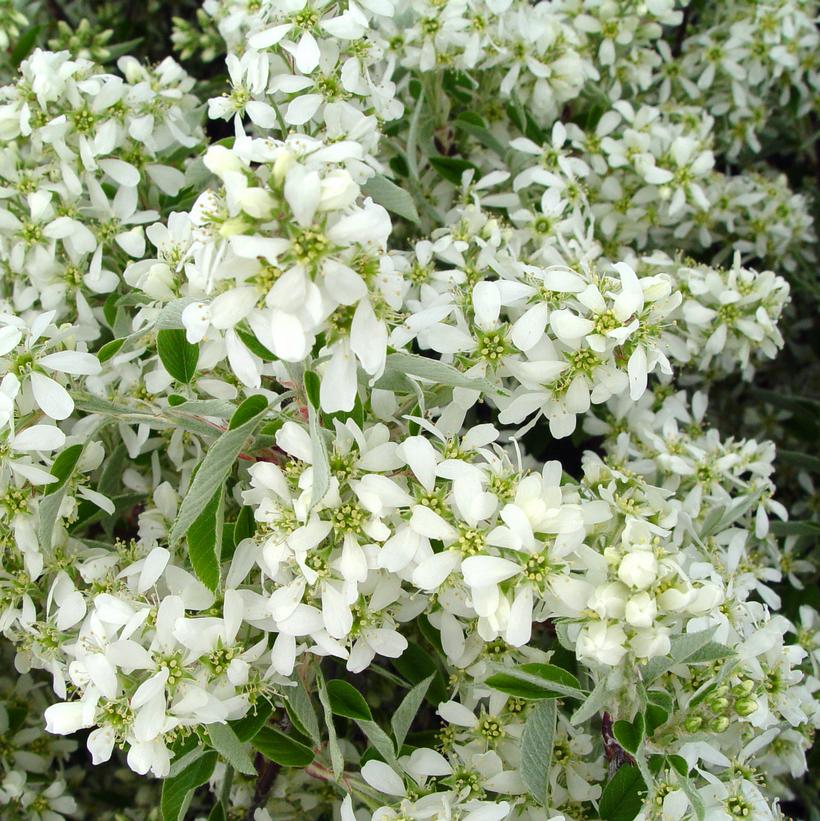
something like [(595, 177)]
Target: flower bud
[(692, 723), (718, 724), (638, 569), (745, 706), (641, 610)]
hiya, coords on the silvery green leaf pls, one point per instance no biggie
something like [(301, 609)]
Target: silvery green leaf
[(402, 719), (389, 195), (536, 749)]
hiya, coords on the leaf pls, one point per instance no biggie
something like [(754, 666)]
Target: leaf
[(214, 469), (179, 357), (218, 813), (251, 407), (205, 541), (226, 742), (402, 719), (386, 193), (248, 726), (321, 463), (536, 749), (170, 317), (178, 790), (535, 681), (312, 387), (801, 460), (347, 701), (683, 649), (473, 124), (281, 749), (49, 507), (336, 760), (592, 704), (622, 798), (299, 701), (436, 371), (629, 734), (451, 168), (250, 341), (111, 348), (63, 466), (381, 741), (415, 665), (25, 44), (798, 528)]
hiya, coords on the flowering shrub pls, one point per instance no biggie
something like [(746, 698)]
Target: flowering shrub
[(356, 452)]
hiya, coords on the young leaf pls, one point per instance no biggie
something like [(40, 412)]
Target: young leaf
[(347, 701), (536, 749), (225, 741), (205, 541), (179, 357), (281, 749), (402, 719)]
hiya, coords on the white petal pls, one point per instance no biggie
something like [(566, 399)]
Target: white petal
[(52, 398)]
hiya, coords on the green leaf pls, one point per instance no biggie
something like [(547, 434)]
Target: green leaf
[(402, 719), (337, 763), (536, 749), (299, 701), (629, 734), (48, 509), (25, 45), (251, 407), (805, 461), (205, 541), (386, 193), (415, 665), (473, 124), (215, 469), (226, 742), (347, 701), (218, 813), (281, 749), (179, 357), (312, 387), (451, 168), (178, 790), (248, 726), (110, 349), (623, 795), (798, 528), (63, 466), (250, 341), (535, 681)]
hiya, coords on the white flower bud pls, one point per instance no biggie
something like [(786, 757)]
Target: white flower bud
[(638, 569), (641, 610)]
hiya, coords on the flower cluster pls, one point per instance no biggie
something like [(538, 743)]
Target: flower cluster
[(402, 387)]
